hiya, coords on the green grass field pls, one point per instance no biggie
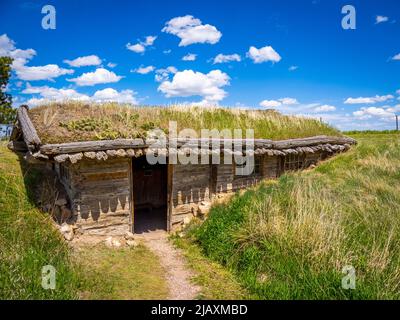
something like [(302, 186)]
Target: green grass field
[(29, 241), (290, 239)]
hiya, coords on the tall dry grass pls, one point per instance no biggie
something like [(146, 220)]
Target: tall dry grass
[(76, 121), (291, 238)]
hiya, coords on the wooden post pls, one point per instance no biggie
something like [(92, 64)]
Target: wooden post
[(170, 190), (397, 122)]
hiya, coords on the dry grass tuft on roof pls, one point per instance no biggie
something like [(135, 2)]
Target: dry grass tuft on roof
[(77, 121)]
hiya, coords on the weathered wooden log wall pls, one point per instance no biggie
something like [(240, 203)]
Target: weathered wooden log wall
[(100, 193), (190, 188)]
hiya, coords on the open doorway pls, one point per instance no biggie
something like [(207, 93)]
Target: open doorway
[(149, 195)]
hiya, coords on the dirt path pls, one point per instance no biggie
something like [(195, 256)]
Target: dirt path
[(178, 275)]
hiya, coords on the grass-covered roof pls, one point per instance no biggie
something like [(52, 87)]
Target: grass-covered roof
[(76, 121)]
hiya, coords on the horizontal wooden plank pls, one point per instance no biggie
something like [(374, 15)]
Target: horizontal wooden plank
[(100, 145), (311, 141)]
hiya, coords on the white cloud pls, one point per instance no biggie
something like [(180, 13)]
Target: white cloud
[(288, 101), (144, 70), (149, 40), (138, 48), (325, 108), (47, 72), (48, 94), (190, 83), (293, 68), (111, 65), (109, 94), (396, 57), (101, 75), (380, 19), (91, 60), (264, 54), (398, 92), (6, 45), (368, 112), (224, 58), (278, 103), (368, 100), (168, 51), (52, 94), (22, 57), (189, 57), (191, 30), (270, 104), (163, 74)]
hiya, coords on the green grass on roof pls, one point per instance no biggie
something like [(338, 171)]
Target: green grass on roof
[(77, 121)]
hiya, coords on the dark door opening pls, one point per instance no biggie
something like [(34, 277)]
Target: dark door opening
[(149, 195)]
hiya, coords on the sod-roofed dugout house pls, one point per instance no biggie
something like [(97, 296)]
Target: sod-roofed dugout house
[(111, 188)]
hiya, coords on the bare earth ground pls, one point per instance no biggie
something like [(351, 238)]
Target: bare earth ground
[(173, 269), (177, 274)]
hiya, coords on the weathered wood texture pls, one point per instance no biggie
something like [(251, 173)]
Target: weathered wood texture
[(101, 196), (30, 135), (190, 188), (84, 146), (118, 145)]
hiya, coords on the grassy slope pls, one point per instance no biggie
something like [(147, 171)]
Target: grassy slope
[(215, 281), (28, 241), (290, 239), (74, 121)]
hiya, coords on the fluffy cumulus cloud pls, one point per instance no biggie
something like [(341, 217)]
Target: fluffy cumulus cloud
[(189, 83), (91, 60), (46, 94), (22, 57), (278, 103), (164, 73), (109, 94), (396, 57), (144, 70), (140, 47), (263, 54), (380, 112), (368, 100), (101, 75), (380, 19), (191, 30), (47, 72), (225, 58), (189, 57)]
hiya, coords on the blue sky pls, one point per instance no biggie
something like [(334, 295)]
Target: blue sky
[(290, 55)]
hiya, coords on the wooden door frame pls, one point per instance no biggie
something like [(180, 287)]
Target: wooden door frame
[(132, 200), (170, 173), (170, 170)]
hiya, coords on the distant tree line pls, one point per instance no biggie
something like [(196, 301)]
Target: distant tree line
[(7, 112)]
